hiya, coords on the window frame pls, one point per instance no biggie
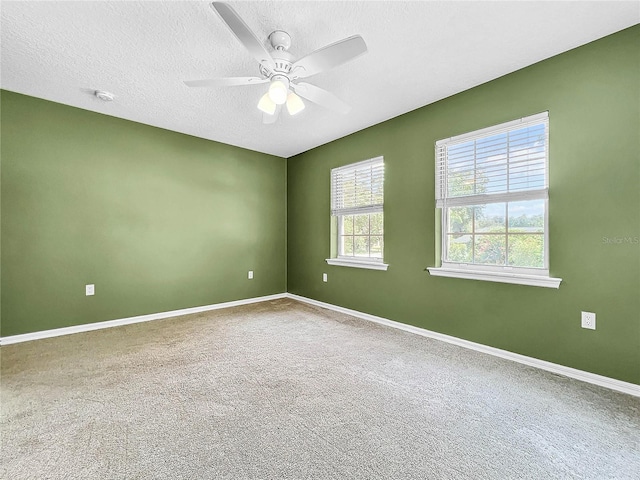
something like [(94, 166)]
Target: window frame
[(337, 215), (495, 273)]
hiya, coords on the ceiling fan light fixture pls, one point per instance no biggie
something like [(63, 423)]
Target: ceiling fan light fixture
[(279, 68), (294, 104), (278, 90), (267, 105)]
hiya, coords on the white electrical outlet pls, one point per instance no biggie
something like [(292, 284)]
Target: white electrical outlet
[(89, 290), (589, 320), (324, 277), (250, 276)]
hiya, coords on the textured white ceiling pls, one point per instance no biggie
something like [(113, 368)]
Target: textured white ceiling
[(419, 52)]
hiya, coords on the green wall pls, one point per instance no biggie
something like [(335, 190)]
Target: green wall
[(161, 221), (156, 220), (593, 98)]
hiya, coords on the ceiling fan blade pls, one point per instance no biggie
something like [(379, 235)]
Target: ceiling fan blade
[(329, 57), (321, 97), (243, 33), (269, 119), (225, 82)]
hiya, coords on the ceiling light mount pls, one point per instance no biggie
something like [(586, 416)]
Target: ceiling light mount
[(280, 40), (104, 96)]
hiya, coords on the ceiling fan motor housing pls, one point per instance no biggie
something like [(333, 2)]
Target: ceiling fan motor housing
[(282, 61), (280, 41)]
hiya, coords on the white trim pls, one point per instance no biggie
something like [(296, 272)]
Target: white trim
[(505, 195), (56, 332), (379, 208), (516, 278), (486, 198), (344, 262), (588, 377), (611, 383), (363, 163), (533, 119)]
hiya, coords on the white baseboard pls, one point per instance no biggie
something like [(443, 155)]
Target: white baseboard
[(611, 383), (56, 332)]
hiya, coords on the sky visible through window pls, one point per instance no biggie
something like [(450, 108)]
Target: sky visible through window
[(497, 229), (357, 202)]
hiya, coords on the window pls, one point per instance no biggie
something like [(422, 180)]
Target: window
[(357, 199), (492, 189)]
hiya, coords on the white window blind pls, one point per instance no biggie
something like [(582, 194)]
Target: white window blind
[(358, 188), (507, 162)]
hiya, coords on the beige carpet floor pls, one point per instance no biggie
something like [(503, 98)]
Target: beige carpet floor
[(283, 390)]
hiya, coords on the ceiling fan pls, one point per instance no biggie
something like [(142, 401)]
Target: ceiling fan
[(279, 69)]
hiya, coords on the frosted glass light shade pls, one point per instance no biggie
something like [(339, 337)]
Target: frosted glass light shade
[(278, 92), (267, 105), (294, 104)]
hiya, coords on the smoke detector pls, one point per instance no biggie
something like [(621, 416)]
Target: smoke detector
[(104, 96)]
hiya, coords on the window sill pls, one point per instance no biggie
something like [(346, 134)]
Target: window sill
[(517, 278), (343, 262)]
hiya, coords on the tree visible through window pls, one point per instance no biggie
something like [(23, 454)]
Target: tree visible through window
[(357, 198), (361, 235), (492, 188)]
